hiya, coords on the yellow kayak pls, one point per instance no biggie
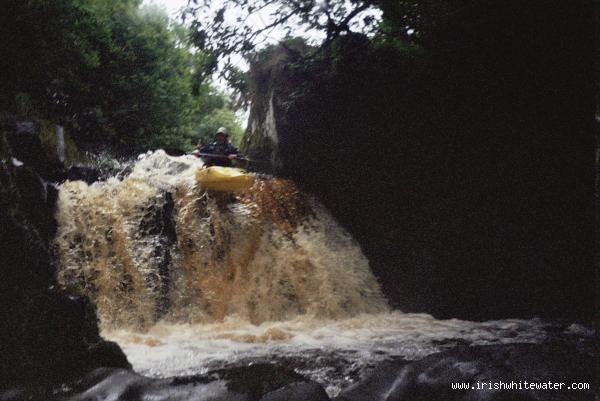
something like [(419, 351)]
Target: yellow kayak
[(224, 179)]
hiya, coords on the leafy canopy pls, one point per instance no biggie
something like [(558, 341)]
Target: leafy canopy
[(117, 73), (238, 27)]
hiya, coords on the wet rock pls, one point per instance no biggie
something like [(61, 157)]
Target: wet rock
[(83, 173), (25, 127), (27, 148), (47, 336), (111, 385), (262, 382), (14, 394), (258, 379), (374, 386), (93, 173), (298, 392), (37, 200), (253, 380), (483, 367), (159, 220), (109, 354), (174, 151), (98, 168)]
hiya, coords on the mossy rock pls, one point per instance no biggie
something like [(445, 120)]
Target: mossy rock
[(47, 135)]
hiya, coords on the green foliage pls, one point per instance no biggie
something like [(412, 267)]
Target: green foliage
[(229, 29), (42, 41), (120, 75), (220, 118), (146, 84)]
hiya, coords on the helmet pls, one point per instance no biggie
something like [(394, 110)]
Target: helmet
[(222, 130)]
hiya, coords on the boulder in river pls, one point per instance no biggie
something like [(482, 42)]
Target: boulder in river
[(298, 392), (489, 373), (258, 382)]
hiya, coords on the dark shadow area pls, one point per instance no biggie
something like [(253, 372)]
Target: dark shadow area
[(463, 166)]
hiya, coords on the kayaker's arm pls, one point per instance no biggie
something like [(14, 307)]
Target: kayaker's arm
[(234, 153)]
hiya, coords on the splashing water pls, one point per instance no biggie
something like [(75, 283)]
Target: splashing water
[(333, 352), (156, 246), (187, 280)]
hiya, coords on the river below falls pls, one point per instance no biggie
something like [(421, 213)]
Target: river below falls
[(334, 353)]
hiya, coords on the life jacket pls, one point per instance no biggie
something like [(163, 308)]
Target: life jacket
[(215, 148)]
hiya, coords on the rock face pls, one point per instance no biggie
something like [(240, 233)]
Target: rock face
[(46, 336), (272, 84), (470, 197), (487, 370), (26, 147)]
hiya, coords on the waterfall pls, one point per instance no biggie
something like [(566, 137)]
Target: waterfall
[(60, 143), (154, 246), (186, 280)]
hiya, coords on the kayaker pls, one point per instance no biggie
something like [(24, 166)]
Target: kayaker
[(221, 148)]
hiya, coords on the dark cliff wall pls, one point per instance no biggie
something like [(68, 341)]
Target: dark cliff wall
[(46, 336), (275, 76), (465, 169)]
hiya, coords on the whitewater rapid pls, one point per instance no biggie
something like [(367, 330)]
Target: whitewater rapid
[(333, 352), (187, 281), (155, 246)]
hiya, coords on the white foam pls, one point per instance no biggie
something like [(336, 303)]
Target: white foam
[(354, 343)]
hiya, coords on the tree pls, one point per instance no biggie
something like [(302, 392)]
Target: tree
[(118, 74), (49, 51), (145, 82), (230, 29)]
